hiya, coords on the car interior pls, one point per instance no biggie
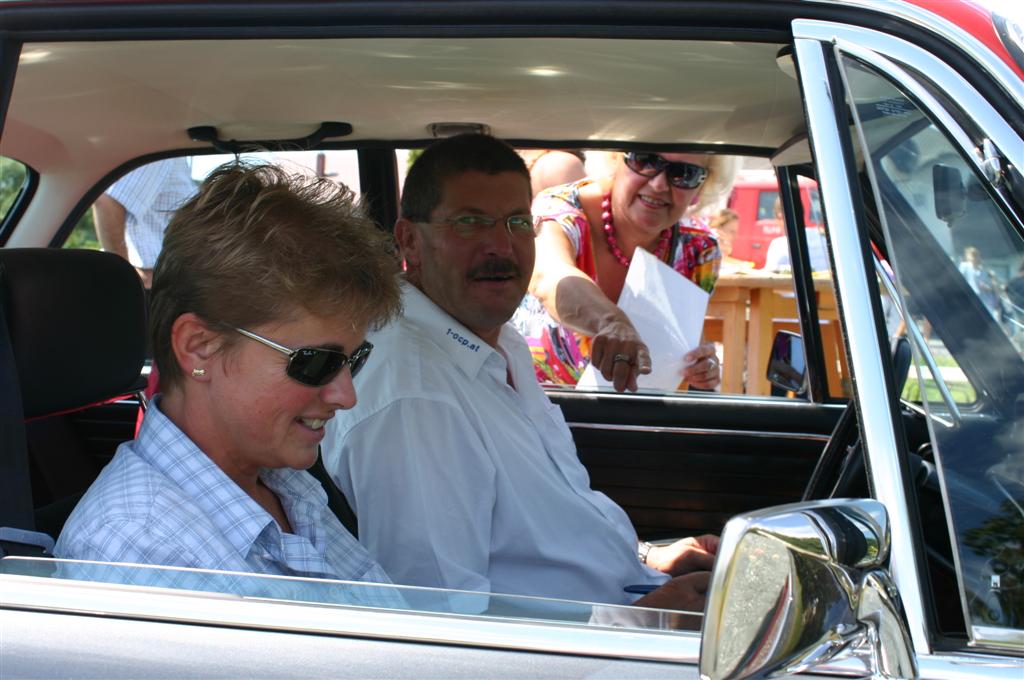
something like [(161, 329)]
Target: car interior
[(679, 464)]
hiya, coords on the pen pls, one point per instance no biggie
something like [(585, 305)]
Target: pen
[(641, 588)]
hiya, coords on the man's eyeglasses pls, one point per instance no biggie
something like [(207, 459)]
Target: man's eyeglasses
[(679, 174), (315, 366), (468, 226)]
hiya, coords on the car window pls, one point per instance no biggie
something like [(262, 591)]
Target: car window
[(766, 205), (356, 593), (957, 255), (753, 295), (13, 178), (149, 194)]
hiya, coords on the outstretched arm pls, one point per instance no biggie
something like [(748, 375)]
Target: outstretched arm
[(574, 300)]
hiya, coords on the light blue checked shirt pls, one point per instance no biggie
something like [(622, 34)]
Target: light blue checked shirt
[(162, 501), (150, 195)]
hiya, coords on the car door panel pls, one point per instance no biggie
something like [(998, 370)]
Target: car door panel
[(682, 466)]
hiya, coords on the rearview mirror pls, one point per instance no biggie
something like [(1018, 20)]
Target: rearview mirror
[(950, 194), (787, 365), (799, 586)]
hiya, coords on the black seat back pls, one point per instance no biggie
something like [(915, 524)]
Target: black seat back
[(75, 336)]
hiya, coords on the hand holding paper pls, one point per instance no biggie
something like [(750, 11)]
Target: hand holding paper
[(667, 310)]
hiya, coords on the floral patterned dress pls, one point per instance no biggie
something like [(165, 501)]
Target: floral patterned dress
[(559, 354)]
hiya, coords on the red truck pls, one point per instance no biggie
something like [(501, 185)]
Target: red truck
[(754, 197)]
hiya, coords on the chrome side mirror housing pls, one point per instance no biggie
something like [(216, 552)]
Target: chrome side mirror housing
[(799, 587)]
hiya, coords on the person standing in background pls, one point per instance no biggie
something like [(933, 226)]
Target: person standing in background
[(133, 213), (725, 225), (982, 281)]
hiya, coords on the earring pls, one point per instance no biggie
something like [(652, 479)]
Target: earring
[(198, 372)]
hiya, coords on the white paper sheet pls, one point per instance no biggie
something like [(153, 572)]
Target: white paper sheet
[(667, 310)]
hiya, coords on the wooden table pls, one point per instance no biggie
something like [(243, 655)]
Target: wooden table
[(744, 313)]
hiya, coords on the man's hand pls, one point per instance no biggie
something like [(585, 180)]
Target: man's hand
[(619, 354), (696, 553), (686, 593), (700, 367)]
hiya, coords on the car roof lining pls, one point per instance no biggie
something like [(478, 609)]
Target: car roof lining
[(698, 95), (586, 89)]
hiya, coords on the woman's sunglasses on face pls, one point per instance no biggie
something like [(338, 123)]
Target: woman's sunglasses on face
[(315, 366), (681, 175)]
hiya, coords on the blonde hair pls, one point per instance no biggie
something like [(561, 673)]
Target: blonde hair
[(723, 217), (255, 244)]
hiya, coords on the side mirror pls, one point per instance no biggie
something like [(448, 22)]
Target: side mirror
[(787, 365), (799, 586)]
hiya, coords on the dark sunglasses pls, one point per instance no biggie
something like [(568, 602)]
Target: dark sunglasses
[(680, 175), (315, 366)]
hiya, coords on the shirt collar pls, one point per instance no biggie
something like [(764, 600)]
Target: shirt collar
[(467, 351), (235, 514)]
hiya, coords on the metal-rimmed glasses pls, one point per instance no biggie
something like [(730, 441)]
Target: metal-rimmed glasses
[(315, 366), (469, 226), (680, 174)]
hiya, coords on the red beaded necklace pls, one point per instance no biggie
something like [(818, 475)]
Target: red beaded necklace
[(613, 243)]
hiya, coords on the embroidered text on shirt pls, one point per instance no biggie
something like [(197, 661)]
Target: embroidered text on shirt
[(463, 340)]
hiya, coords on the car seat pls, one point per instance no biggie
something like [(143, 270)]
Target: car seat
[(72, 335)]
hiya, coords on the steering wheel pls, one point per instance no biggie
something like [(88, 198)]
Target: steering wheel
[(840, 469)]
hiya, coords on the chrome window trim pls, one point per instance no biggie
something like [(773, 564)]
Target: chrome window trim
[(880, 49), (978, 52), (851, 281), (660, 429), (957, 666), (939, 666), (1000, 638), (219, 609)]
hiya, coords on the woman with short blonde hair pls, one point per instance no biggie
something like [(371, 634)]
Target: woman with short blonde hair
[(261, 300)]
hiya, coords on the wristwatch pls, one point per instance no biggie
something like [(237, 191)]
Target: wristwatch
[(642, 550)]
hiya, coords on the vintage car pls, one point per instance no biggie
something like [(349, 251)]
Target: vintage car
[(870, 497)]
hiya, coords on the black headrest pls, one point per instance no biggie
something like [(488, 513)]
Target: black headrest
[(77, 321)]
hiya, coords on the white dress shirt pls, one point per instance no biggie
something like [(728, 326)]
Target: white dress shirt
[(461, 481), (777, 256)]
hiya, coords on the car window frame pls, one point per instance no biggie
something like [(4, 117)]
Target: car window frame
[(860, 307), (991, 395), (890, 56)]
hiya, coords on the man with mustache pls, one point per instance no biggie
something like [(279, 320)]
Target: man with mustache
[(462, 473)]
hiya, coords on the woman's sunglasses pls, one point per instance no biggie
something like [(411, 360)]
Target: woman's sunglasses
[(680, 175), (315, 366)]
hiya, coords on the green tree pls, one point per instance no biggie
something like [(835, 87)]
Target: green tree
[(12, 178), (84, 234)]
